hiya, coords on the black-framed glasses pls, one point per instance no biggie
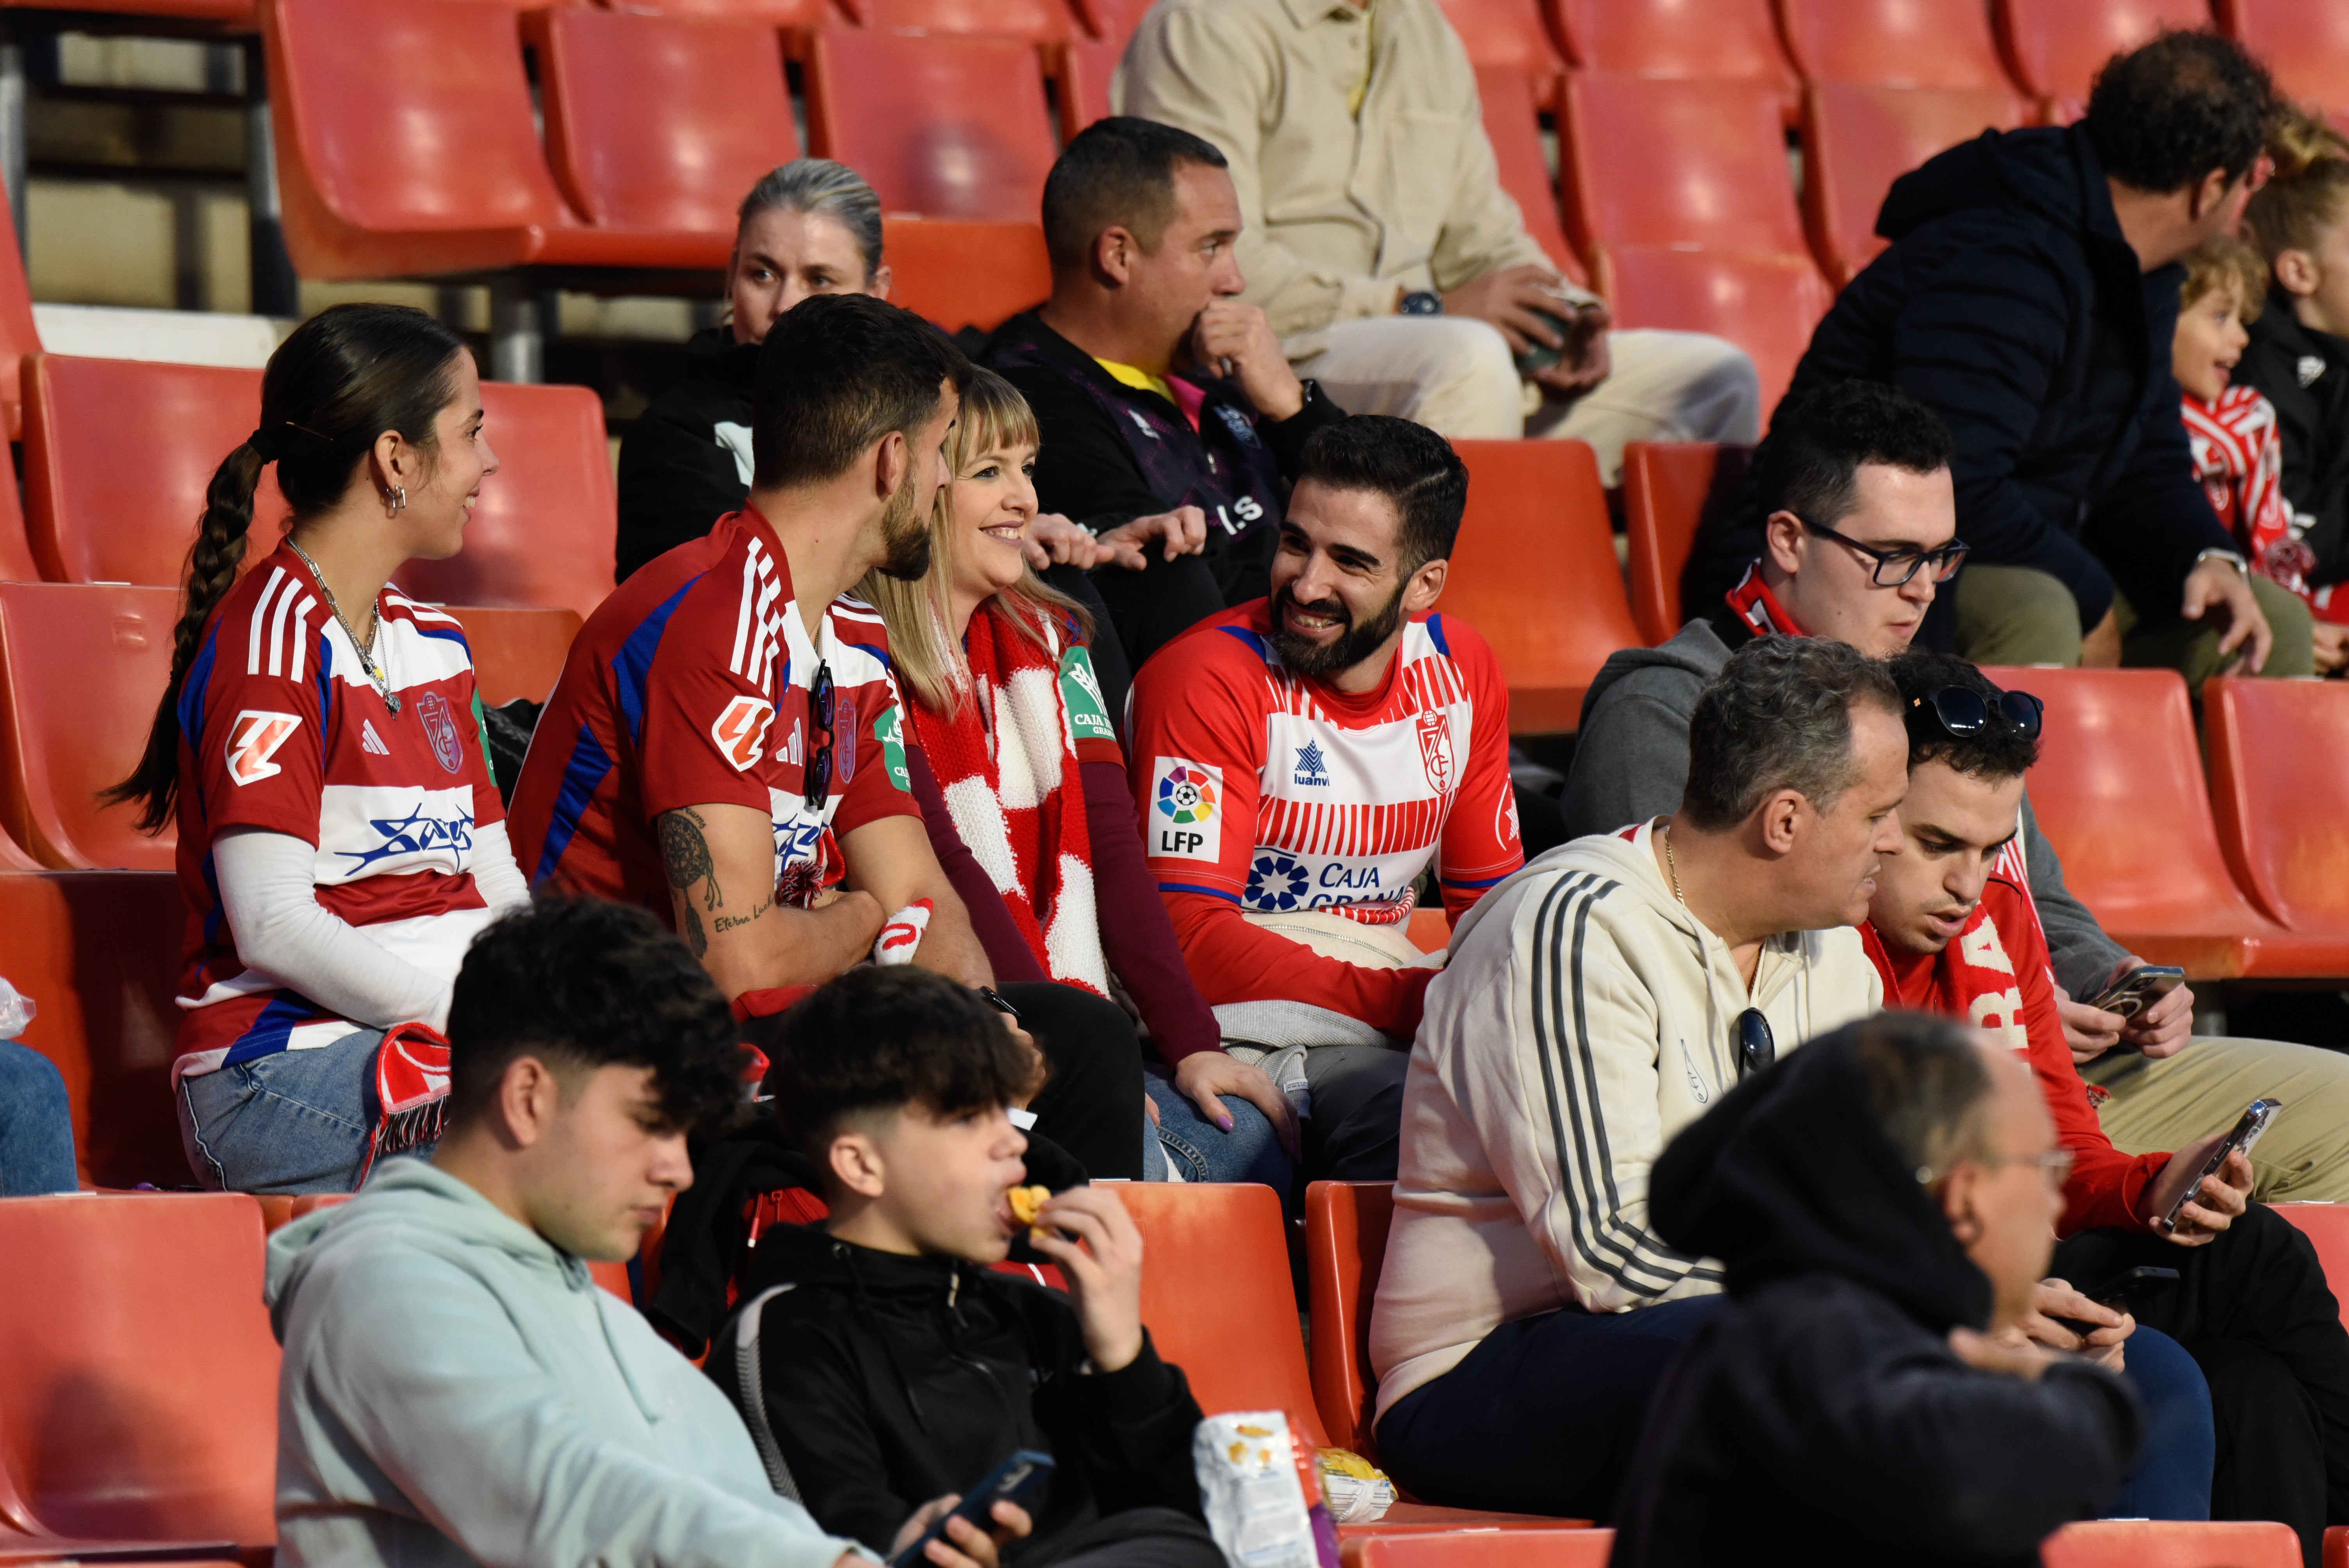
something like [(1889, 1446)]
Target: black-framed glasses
[(815, 778), (1757, 1047), (1894, 568), (1964, 711)]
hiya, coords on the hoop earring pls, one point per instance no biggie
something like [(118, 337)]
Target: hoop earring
[(395, 498)]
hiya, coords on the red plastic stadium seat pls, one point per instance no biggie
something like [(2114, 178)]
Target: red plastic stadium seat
[(2279, 783), (1858, 139), (1431, 932), (2054, 47), (1037, 21), (960, 273), (2336, 1546), (1767, 305), (2326, 1226), (1469, 1548), (98, 952), (1114, 21), (1894, 42), (2305, 42), (2119, 749), (1535, 575), (1701, 40), (1345, 1246), (138, 1374), (224, 16), (660, 124), (81, 670), (1683, 164), (1088, 65), (1669, 488), (772, 13), (2161, 1543), (943, 125), (516, 653), (18, 338), (1509, 35), (1512, 124), (16, 560)]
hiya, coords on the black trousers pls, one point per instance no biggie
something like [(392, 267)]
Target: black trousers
[(1090, 1104), (2253, 1310), (1137, 1538)]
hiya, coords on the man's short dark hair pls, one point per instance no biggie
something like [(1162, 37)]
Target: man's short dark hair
[(1411, 465), (1928, 1087), (2165, 115), (581, 983), (1996, 751), (1778, 716), (1117, 172), (881, 1039), (1810, 464), (836, 374)]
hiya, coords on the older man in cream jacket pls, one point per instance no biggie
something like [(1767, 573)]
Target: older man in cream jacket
[(1596, 1003)]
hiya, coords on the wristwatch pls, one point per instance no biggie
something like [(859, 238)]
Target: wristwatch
[(1421, 302), (2232, 558)]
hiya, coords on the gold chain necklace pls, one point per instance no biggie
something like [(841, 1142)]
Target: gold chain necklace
[(365, 651), (1671, 867)]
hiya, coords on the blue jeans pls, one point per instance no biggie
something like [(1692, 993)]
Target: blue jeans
[(37, 1147), (2172, 1479), (293, 1121), (1201, 1152)]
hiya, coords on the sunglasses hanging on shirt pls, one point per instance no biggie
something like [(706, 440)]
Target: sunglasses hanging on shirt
[(1757, 1047), (816, 780)]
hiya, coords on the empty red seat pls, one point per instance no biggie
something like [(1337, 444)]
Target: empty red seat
[(1534, 573), (1858, 139), (1512, 124), (1113, 21), (98, 952), (1473, 1548), (516, 653), (661, 124), (959, 273), (2305, 42), (793, 14), (138, 1373), (2167, 1544), (943, 125), (1670, 489), (1682, 164), (81, 669), (1506, 33), (1704, 40), (1037, 21), (2279, 753), (1767, 305), (1345, 1246), (2119, 749), (2054, 47), (1087, 67), (18, 338), (1894, 42)]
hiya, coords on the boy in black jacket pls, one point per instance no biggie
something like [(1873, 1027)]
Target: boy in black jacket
[(879, 1360), (1884, 1200)]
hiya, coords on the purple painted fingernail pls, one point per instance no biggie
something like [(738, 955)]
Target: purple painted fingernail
[(1225, 1122)]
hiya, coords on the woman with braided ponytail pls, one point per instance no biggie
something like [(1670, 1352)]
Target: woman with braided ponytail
[(319, 746)]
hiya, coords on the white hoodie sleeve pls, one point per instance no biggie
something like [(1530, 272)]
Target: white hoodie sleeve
[(269, 892)]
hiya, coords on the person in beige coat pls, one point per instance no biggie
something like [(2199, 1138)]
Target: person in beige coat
[(1378, 238), (1595, 1004)]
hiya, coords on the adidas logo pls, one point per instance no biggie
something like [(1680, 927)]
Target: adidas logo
[(370, 741)]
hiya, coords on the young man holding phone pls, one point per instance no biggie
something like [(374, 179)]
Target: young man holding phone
[(1952, 929)]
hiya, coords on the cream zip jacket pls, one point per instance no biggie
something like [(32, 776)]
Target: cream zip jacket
[(1585, 1018)]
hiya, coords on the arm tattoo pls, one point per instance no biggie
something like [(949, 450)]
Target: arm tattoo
[(728, 922), (686, 854)]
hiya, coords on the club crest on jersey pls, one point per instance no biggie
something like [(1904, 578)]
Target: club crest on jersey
[(1435, 749), (440, 729), (1188, 822), (253, 739), (843, 754), (1276, 881), (742, 731)]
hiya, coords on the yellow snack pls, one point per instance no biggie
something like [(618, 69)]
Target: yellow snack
[(1026, 1203)]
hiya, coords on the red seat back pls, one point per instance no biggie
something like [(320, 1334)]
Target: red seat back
[(1703, 40), (138, 1373), (516, 653), (1088, 65), (544, 533), (1037, 21), (1858, 138), (959, 273), (2305, 42), (1894, 42), (1669, 163), (1508, 35), (1767, 305), (661, 123), (1216, 1296), (2167, 1544), (1533, 574), (1475, 1546), (98, 952), (772, 13), (2052, 47), (1345, 1245), (2279, 754), (945, 126), (81, 669), (1512, 124), (18, 338), (1114, 21), (1669, 488)]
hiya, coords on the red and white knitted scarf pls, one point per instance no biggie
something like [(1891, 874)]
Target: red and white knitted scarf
[(1006, 763)]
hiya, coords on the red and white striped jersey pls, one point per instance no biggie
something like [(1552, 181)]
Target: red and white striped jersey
[(280, 729)]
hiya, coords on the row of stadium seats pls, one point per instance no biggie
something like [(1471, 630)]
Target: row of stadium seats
[(104, 1438)]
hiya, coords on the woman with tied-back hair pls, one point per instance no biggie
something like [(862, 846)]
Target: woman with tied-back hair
[(319, 743)]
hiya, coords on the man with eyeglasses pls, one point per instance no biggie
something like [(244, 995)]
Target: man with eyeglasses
[(1596, 1003), (1953, 930)]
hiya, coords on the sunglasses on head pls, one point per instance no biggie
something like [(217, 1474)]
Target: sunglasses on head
[(1964, 711)]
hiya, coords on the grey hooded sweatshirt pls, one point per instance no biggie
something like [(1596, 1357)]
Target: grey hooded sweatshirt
[(1631, 763), (457, 1390)]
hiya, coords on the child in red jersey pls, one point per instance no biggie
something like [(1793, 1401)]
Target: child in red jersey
[(320, 746)]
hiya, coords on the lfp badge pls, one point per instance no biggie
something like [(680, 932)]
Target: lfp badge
[(1189, 811)]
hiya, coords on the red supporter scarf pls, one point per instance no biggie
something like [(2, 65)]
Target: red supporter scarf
[(1007, 763), (1753, 603)]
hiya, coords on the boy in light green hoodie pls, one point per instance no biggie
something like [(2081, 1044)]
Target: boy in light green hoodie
[(456, 1390)]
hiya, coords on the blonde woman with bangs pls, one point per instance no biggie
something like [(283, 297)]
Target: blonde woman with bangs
[(1015, 759)]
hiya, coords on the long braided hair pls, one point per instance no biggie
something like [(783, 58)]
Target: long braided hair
[(340, 380)]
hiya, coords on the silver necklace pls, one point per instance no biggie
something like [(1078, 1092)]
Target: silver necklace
[(365, 651)]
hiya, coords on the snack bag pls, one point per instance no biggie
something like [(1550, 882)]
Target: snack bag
[(1251, 1487), (1357, 1491)]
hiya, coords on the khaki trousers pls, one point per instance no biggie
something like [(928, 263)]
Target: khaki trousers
[(1454, 375), (2019, 615), (2163, 1105)]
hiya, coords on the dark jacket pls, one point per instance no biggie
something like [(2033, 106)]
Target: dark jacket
[(676, 477), (1112, 453), (883, 1381), (2011, 305), (1821, 1418), (2305, 373)]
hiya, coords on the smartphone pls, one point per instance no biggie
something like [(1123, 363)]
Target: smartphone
[(1017, 1480), (2117, 1293), (2140, 988), (2241, 1136)]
